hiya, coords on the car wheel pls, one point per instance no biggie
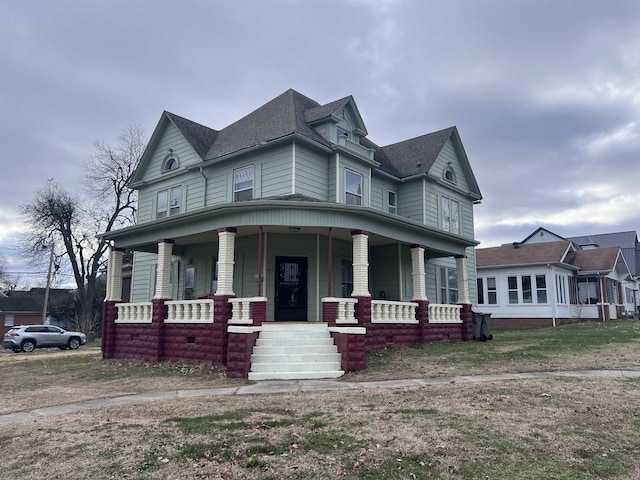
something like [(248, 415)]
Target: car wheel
[(28, 346), (74, 343)]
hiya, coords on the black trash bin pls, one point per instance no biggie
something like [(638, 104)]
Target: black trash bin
[(477, 324), (485, 330)]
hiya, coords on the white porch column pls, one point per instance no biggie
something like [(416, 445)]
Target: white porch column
[(114, 277), (226, 251), (360, 263), (418, 273), (463, 279), (107, 294), (163, 272)]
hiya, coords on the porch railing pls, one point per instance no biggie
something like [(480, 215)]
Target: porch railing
[(190, 311), (385, 311), (440, 313), (140, 312), (345, 309), (241, 309)]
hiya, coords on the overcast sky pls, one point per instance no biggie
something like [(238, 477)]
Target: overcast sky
[(545, 93)]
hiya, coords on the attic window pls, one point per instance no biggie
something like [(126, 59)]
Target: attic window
[(170, 163), (450, 174)]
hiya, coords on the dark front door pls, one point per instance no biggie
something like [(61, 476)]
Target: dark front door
[(291, 288)]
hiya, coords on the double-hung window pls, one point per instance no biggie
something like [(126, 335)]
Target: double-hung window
[(450, 215), (487, 291), (353, 188), (527, 289), (243, 184), (169, 202), (391, 202), (448, 285)]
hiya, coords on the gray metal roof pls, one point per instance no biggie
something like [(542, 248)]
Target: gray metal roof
[(604, 240)]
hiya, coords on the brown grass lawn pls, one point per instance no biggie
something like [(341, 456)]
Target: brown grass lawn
[(561, 428)]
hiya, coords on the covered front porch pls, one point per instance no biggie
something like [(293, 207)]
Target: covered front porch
[(211, 292)]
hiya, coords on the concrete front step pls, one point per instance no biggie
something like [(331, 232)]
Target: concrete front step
[(295, 375), (295, 350)]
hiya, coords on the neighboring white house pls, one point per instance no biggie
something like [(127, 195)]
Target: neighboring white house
[(551, 283)]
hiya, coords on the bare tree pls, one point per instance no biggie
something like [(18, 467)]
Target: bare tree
[(73, 223)]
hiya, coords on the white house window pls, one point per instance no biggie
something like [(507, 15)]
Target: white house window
[(487, 291), (450, 215), (9, 320), (450, 174), (169, 202), (561, 289), (342, 132), (588, 290), (243, 184), (353, 188), (448, 285), (512, 283), (541, 289), (527, 289), (391, 202)]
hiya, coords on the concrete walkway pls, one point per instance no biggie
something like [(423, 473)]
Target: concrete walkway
[(292, 386)]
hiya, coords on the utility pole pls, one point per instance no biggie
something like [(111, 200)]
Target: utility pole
[(46, 292)]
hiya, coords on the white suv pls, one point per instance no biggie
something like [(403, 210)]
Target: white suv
[(28, 337)]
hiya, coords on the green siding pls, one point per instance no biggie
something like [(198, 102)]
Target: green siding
[(312, 171), (410, 200), (380, 187), (448, 155), (277, 170)]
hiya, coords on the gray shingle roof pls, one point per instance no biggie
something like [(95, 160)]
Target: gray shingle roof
[(199, 137), (279, 117), (292, 112), (417, 155), (20, 304)]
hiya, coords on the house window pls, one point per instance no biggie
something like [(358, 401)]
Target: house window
[(512, 284), (170, 163), (588, 290), (448, 285), (541, 289), (347, 278), (9, 320), (243, 184), (189, 282), (527, 294), (573, 290), (561, 293), (391, 202), (169, 202), (487, 292), (353, 188), (450, 174), (450, 215), (612, 291), (342, 133)]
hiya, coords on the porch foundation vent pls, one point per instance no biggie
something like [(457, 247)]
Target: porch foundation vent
[(295, 351)]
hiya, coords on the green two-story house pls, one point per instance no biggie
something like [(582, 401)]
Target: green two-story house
[(291, 218)]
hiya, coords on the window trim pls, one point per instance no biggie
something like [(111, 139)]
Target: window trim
[(485, 292), (447, 286), (448, 217), (392, 208), (237, 191), (449, 170), (347, 192), (168, 211)]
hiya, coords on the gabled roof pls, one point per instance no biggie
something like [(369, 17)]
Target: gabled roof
[(595, 260), (198, 136), (281, 116), (523, 254), (293, 113), (542, 231), (417, 155)]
